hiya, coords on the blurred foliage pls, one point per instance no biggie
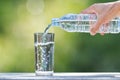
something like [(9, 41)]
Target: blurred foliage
[(77, 52)]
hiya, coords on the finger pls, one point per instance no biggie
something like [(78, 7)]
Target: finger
[(105, 28), (96, 27), (99, 26), (102, 29), (102, 34), (89, 10)]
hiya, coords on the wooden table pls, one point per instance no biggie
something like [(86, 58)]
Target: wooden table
[(61, 76)]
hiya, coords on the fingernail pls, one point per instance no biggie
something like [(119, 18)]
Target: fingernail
[(102, 34), (92, 33)]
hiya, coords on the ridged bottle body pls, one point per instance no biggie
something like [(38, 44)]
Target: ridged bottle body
[(83, 23)]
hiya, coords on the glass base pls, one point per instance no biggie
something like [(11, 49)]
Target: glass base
[(44, 73)]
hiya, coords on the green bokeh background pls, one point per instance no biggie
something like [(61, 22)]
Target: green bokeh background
[(74, 52)]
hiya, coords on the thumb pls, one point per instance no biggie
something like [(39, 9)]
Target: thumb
[(89, 10)]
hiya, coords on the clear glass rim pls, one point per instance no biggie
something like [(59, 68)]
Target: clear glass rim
[(42, 33)]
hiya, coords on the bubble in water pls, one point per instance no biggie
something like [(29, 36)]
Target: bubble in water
[(48, 51), (45, 57)]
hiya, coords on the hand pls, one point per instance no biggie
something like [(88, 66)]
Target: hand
[(105, 12)]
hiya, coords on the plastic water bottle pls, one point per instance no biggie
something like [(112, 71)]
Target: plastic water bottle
[(83, 22)]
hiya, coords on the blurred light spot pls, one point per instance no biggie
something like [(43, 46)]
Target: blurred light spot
[(35, 7)]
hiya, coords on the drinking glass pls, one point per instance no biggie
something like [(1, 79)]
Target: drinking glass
[(44, 53)]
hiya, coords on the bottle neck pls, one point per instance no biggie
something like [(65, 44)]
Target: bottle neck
[(55, 22)]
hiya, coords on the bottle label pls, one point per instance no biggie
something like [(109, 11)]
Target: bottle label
[(79, 17), (69, 17), (87, 17)]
